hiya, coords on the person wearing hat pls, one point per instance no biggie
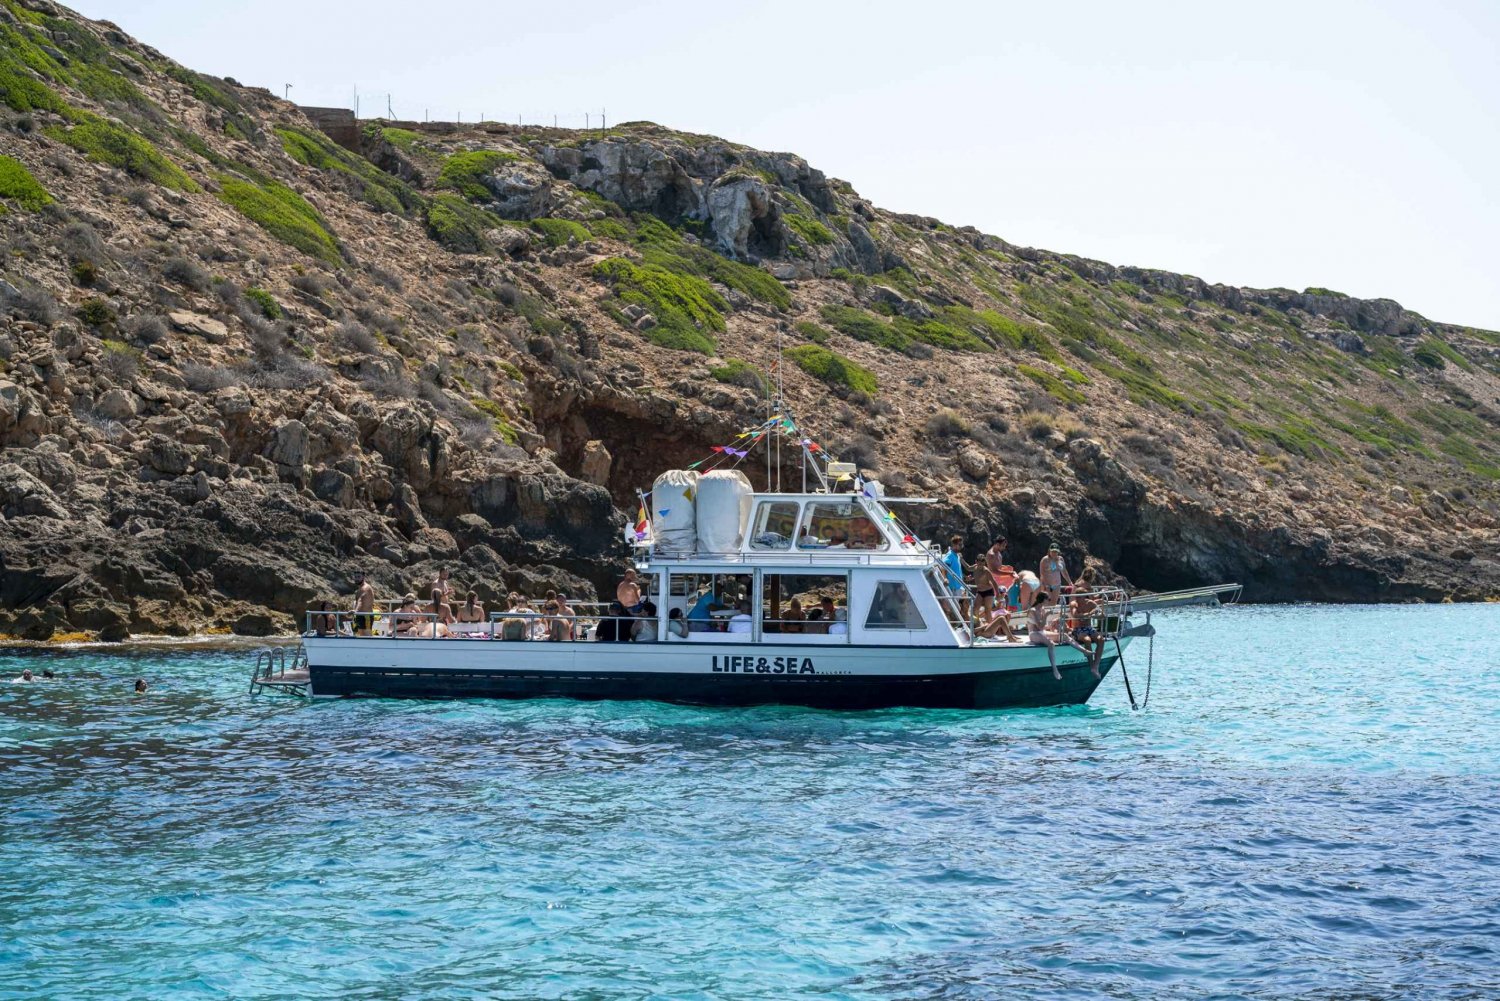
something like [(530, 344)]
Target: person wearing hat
[(1053, 572)]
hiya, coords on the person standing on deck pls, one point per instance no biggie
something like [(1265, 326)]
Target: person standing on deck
[(1053, 572), (364, 606), (442, 583), (628, 593), (953, 559), (988, 584)]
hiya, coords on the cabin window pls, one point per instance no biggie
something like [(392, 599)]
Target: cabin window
[(839, 525), (775, 523), (804, 604), (708, 603), (893, 608)]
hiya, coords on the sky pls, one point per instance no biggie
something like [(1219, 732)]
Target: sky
[(1346, 145)]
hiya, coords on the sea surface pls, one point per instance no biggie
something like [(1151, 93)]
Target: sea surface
[(1309, 807)]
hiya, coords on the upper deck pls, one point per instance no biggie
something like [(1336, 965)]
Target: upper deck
[(815, 529)]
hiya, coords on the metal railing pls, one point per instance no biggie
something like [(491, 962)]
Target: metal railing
[(508, 626)]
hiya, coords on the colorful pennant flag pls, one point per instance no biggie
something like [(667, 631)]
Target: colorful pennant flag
[(642, 525)]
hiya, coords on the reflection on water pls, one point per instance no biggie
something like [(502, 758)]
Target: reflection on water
[(1306, 809)]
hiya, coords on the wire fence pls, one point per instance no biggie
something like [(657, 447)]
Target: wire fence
[(386, 106)]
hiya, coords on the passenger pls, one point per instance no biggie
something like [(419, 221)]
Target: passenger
[(987, 575), (47, 675), (793, 618), (553, 624), (700, 616), (1053, 572), (513, 627), (676, 624), (441, 608), (435, 626), (838, 540), (24, 679), (953, 559), (364, 606), (568, 616), (1083, 633), (837, 626), (406, 615), (140, 686), (325, 621), (1037, 633), (817, 623), (471, 610), (1026, 588), (644, 628), (607, 631), (741, 622), (1006, 589), (628, 592), (995, 622), (442, 583)]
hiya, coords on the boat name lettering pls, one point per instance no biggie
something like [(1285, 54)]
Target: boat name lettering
[(765, 665)]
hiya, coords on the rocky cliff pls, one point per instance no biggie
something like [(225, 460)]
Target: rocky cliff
[(241, 363)]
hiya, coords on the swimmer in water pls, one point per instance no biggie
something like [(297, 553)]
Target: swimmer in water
[(140, 686), (25, 677)]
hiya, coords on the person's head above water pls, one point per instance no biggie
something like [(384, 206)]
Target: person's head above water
[(26, 674), (140, 685)]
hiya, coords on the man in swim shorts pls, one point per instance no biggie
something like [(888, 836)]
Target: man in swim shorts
[(628, 593), (364, 606)]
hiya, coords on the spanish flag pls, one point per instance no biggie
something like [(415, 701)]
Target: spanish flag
[(642, 525)]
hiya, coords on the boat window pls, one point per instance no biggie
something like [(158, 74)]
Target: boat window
[(893, 608), (708, 602), (839, 525), (775, 521), (805, 603)]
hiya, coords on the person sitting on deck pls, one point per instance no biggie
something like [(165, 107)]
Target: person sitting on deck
[(741, 622), (406, 615), (471, 610), (514, 627), (1082, 632), (568, 616), (325, 621), (834, 616), (676, 624), (1037, 633), (628, 592), (793, 618), (643, 630), (994, 622)]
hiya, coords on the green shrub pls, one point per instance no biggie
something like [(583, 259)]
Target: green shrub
[(612, 229), (687, 309), (95, 313), (19, 186), (85, 273), (461, 172), (558, 232), (1433, 353), (459, 226), (498, 419), (1055, 387), (948, 424), (265, 302), (833, 369), (375, 187), (537, 317), (861, 326), (813, 332), (809, 229), (403, 139), (940, 334), (283, 213), (109, 143), (740, 373)]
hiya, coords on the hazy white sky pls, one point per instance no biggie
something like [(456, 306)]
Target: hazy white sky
[(1351, 145)]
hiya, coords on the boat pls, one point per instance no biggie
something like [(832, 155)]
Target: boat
[(819, 596)]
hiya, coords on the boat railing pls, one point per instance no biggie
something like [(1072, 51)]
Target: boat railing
[(806, 627), (508, 625)]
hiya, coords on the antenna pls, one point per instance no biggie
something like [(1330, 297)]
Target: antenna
[(388, 112), (287, 94)]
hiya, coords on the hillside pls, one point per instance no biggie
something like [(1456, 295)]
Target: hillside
[(240, 363)]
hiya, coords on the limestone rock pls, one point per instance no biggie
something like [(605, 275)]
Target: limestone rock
[(596, 463), (24, 494), (742, 212), (975, 464), (289, 445), (205, 327)]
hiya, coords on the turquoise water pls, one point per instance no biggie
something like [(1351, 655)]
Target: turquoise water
[(1309, 807)]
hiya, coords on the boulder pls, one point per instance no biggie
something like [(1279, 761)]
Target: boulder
[(744, 216), (439, 543), (334, 487), (109, 620), (117, 404), (265, 579), (289, 445), (263, 622), (23, 494), (205, 327), (166, 455), (521, 189), (596, 463), (975, 464)]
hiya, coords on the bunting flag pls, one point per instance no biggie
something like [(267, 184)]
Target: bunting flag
[(664, 512), (695, 465), (718, 448), (889, 516), (737, 452), (688, 493), (843, 477)]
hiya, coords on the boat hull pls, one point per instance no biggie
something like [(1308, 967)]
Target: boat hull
[(845, 677)]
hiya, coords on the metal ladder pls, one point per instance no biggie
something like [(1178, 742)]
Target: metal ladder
[(273, 672)]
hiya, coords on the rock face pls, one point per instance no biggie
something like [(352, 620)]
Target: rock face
[(743, 214)]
